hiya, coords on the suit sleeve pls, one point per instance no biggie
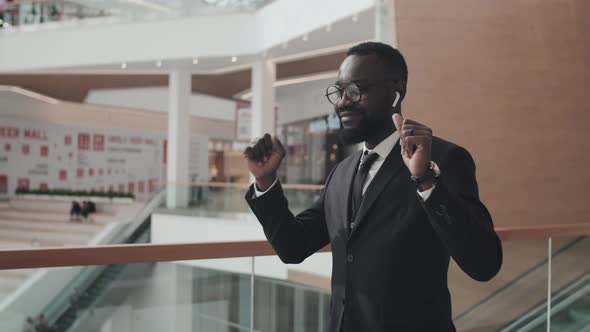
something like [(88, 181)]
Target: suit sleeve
[(294, 238), (460, 219)]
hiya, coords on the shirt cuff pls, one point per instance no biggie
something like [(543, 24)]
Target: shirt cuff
[(258, 193), (424, 194)]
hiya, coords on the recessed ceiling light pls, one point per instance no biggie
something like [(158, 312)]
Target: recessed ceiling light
[(124, 65), (159, 63), (305, 37), (234, 59), (195, 61), (328, 27), (355, 18)]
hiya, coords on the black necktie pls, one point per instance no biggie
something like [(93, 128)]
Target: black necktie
[(360, 178)]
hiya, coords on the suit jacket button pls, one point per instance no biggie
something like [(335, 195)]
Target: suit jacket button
[(441, 211), (349, 258), (352, 224)]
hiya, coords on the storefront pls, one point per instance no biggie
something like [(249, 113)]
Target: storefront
[(313, 149)]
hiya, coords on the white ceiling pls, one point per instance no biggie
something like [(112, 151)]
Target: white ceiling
[(331, 38)]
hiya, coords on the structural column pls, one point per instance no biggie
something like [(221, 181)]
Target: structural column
[(385, 31), (263, 98), (179, 83)]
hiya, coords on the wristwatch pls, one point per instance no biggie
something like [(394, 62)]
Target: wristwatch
[(432, 173)]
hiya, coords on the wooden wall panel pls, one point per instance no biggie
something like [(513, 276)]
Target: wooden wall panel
[(507, 79)]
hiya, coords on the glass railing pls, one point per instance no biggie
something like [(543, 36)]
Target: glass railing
[(567, 280), (216, 199), (242, 286), (227, 294), (530, 284), (134, 229)]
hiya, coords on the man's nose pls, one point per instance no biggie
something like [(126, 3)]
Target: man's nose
[(344, 101)]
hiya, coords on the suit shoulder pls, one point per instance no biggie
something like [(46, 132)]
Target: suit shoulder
[(353, 158), (441, 148), (342, 165)]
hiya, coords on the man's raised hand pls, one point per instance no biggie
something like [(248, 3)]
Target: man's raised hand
[(264, 157), (416, 144)]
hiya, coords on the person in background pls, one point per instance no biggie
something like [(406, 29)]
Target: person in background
[(42, 324), (91, 207), (29, 325), (85, 211), (75, 211)]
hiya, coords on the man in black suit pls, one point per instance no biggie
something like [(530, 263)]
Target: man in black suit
[(393, 213)]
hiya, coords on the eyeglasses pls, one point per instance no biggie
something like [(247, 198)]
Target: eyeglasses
[(354, 92), (335, 93)]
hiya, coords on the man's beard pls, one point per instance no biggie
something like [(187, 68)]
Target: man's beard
[(350, 136), (358, 134)]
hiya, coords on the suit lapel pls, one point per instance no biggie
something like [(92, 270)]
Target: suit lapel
[(391, 166)]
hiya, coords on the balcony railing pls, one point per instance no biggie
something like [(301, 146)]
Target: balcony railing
[(242, 285), (141, 253)]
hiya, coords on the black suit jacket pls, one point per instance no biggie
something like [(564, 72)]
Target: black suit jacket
[(389, 272)]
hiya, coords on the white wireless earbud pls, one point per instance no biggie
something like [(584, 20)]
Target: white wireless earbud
[(397, 96)]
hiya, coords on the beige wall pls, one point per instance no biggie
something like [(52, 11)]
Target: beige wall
[(507, 79)]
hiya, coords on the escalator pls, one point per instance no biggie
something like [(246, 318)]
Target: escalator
[(81, 300), (570, 311), (92, 282)]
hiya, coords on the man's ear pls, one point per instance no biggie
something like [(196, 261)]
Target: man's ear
[(401, 88)]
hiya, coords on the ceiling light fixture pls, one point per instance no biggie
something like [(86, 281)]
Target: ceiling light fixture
[(159, 63), (355, 18), (124, 65), (329, 28), (305, 37), (234, 59), (195, 61)]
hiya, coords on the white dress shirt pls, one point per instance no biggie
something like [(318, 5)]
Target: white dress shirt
[(382, 149)]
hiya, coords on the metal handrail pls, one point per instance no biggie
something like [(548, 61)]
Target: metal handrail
[(140, 253)]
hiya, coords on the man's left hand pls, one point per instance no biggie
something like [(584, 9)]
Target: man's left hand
[(416, 144)]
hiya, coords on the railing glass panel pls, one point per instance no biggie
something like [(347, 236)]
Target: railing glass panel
[(233, 294), (520, 285), (226, 199)]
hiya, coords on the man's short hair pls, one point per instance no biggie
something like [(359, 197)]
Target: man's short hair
[(391, 57)]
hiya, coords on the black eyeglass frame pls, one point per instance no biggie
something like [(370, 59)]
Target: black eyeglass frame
[(360, 86)]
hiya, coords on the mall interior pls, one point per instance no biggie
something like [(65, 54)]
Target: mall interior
[(122, 176)]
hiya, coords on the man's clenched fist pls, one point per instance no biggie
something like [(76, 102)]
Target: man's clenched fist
[(264, 158)]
